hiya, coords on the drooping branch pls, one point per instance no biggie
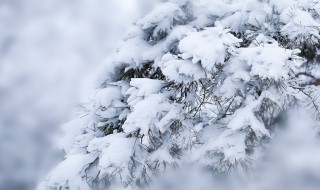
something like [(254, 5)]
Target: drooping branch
[(315, 81)]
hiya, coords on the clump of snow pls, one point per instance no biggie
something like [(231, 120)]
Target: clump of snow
[(268, 60), (111, 159), (210, 46), (148, 112), (162, 18), (180, 70), (146, 86), (299, 23), (68, 173)]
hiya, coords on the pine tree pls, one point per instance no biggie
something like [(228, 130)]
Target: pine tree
[(194, 81)]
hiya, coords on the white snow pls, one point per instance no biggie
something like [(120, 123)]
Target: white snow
[(209, 46), (207, 84)]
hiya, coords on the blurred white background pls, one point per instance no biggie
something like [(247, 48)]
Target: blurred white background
[(49, 53)]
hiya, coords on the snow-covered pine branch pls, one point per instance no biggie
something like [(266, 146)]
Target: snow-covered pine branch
[(194, 81)]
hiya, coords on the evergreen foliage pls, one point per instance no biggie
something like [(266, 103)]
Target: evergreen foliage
[(194, 81)]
